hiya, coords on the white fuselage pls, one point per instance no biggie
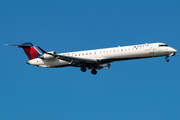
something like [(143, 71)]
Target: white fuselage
[(108, 55)]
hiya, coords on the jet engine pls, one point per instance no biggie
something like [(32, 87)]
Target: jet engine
[(46, 56)]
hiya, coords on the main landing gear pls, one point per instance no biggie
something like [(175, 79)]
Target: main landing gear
[(94, 71), (167, 60), (83, 69)]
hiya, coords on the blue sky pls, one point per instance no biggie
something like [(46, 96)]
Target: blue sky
[(136, 89)]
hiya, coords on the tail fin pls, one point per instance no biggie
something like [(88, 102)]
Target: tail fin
[(29, 49)]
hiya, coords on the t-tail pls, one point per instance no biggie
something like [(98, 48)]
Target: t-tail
[(29, 49)]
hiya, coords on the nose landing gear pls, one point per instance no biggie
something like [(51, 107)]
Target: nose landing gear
[(167, 60)]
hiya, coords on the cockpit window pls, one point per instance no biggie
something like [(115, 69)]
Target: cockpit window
[(163, 45)]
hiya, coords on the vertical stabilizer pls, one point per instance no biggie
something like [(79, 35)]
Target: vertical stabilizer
[(30, 50)]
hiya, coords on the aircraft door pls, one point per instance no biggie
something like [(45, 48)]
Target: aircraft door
[(151, 50)]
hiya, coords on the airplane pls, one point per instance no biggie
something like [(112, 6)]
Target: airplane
[(94, 59)]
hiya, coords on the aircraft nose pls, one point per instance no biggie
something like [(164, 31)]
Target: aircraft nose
[(174, 50), (27, 62)]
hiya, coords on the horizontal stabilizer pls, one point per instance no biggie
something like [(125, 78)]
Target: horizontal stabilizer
[(24, 45), (29, 49), (18, 45)]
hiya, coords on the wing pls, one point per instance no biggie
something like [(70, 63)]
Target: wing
[(75, 60)]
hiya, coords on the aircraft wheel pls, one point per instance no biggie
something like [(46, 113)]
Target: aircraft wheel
[(83, 69), (167, 60), (94, 72)]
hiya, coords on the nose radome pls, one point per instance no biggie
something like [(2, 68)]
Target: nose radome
[(27, 62), (174, 50)]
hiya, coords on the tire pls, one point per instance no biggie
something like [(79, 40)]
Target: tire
[(94, 72), (83, 69), (167, 60)]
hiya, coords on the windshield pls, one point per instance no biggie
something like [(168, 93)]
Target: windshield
[(163, 45)]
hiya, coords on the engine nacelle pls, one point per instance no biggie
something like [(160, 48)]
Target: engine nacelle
[(47, 56)]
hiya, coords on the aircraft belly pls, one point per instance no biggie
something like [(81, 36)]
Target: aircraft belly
[(55, 62)]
